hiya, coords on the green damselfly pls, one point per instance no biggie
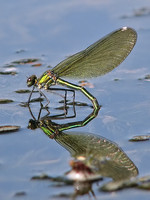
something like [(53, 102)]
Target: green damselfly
[(96, 60)]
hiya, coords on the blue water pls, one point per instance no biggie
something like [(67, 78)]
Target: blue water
[(51, 31)]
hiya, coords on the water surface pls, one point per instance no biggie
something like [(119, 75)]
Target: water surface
[(50, 31)]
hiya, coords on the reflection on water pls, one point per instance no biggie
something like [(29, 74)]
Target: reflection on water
[(100, 154), (93, 157)]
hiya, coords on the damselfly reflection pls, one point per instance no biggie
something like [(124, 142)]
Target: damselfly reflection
[(55, 128), (93, 156)]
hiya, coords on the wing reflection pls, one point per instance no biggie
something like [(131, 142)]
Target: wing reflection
[(103, 156), (94, 157)]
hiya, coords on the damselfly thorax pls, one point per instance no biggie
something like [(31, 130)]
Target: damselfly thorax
[(46, 80)]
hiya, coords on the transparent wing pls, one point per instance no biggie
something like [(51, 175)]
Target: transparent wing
[(99, 58)]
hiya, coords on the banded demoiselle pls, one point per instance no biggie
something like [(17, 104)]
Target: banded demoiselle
[(96, 60)]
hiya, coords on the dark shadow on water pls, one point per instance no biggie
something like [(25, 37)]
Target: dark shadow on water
[(93, 157)]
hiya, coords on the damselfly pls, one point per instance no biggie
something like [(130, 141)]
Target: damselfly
[(96, 60)]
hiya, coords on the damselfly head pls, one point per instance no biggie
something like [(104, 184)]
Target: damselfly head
[(33, 124), (32, 80)]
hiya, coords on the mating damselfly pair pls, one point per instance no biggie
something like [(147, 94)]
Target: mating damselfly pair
[(96, 60)]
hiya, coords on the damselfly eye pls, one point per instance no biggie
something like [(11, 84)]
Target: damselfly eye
[(31, 80)]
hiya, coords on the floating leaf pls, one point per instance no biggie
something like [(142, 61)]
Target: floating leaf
[(140, 138), (54, 179), (77, 103), (25, 61), (145, 186), (62, 196), (62, 101), (9, 66), (144, 11), (117, 185), (144, 183), (20, 51), (116, 79), (9, 128), (37, 100), (8, 73), (42, 177), (62, 108), (141, 183), (26, 104), (19, 194), (3, 101), (22, 91), (144, 179), (36, 65)]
